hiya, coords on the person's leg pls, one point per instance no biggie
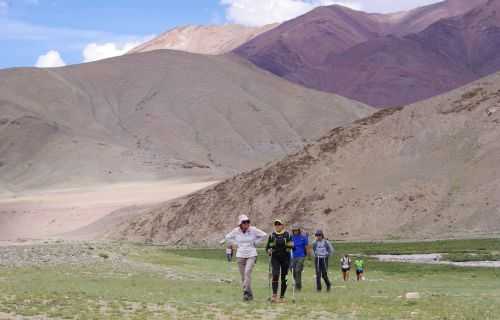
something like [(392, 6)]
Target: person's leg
[(285, 265), (318, 273), (275, 263), (344, 275), (324, 274), (347, 274), (241, 267), (248, 276), (242, 264), (298, 269)]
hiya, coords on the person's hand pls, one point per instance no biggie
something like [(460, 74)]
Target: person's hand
[(270, 252)]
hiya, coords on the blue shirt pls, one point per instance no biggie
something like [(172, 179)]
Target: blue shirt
[(300, 243)]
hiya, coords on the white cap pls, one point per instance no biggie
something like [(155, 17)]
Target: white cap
[(242, 218)]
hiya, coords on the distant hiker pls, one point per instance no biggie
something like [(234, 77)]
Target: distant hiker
[(345, 266), (229, 253), (360, 268), (299, 253), (322, 250), (246, 238), (279, 246)]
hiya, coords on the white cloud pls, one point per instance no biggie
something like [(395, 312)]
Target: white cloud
[(95, 51), (261, 12), (51, 59)]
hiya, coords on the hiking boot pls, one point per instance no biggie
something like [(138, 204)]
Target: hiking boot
[(328, 288), (247, 296), (282, 300), (274, 298)]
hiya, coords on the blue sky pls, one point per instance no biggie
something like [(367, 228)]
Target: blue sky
[(31, 28)]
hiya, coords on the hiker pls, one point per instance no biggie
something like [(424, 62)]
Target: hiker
[(360, 268), (229, 253), (299, 253), (322, 250), (345, 266), (279, 246), (246, 238)]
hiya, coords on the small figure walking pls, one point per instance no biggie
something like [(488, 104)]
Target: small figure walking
[(299, 253), (322, 250), (229, 253), (360, 268), (345, 266)]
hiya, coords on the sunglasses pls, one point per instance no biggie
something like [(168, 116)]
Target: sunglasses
[(278, 224), (245, 222)]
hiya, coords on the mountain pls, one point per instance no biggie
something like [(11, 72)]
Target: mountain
[(372, 58), (426, 171), (203, 39), (416, 20), (394, 71), (152, 116), (296, 49)]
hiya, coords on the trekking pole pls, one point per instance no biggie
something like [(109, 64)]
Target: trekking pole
[(293, 284), (269, 276)]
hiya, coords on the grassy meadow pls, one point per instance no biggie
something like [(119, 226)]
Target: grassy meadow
[(127, 281)]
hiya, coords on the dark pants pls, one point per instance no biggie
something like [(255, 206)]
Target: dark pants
[(321, 265), (298, 267), (280, 265)]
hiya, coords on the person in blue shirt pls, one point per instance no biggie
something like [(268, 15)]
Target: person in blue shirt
[(299, 253)]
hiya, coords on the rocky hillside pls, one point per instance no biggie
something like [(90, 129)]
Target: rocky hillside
[(429, 170), (203, 39), (153, 116)]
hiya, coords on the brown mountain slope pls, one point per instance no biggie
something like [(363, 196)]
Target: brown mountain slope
[(153, 116), (203, 39), (429, 170)]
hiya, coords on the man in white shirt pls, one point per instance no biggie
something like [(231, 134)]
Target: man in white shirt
[(246, 238)]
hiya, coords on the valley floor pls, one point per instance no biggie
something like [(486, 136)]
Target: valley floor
[(56, 213), (104, 280)]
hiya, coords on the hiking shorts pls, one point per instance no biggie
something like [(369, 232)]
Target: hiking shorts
[(359, 271), (346, 269)]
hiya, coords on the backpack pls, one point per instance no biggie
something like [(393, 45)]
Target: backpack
[(280, 242)]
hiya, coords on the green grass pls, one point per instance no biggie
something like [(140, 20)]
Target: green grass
[(195, 286)]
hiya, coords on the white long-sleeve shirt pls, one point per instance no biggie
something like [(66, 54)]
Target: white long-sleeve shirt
[(246, 241)]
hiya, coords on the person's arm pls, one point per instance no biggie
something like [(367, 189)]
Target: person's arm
[(308, 248), (231, 236), (259, 235), (331, 250), (313, 251), (268, 245), (289, 242)]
